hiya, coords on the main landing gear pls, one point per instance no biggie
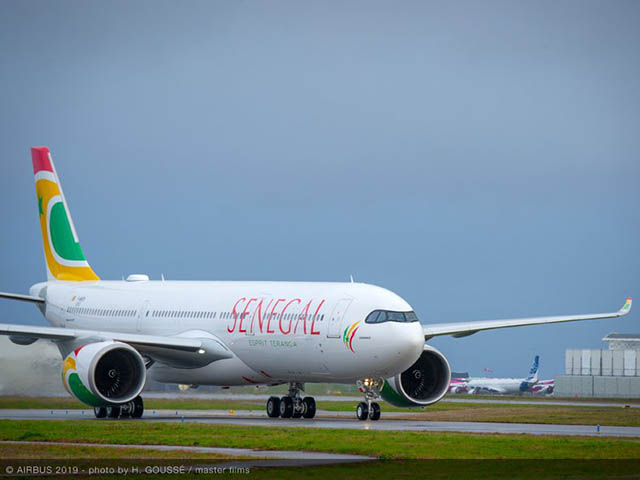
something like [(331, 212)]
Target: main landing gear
[(292, 405), (369, 409), (132, 409)]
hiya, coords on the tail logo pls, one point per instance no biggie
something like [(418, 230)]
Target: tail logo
[(63, 253), (349, 334), (627, 306)]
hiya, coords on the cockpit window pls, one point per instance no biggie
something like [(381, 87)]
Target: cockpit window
[(381, 316)]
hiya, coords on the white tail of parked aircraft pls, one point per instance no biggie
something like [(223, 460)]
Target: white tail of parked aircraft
[(113, 334)]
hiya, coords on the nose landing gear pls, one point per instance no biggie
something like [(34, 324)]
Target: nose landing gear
[(292, 405), (371, 389)]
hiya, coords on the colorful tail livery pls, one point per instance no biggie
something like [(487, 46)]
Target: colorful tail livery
[(626, 307), (533, 372), (62, 250)]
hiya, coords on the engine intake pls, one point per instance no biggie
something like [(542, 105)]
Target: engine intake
[(104, 373), (424, 383)]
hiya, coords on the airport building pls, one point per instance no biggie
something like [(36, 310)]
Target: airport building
[(614, 372)]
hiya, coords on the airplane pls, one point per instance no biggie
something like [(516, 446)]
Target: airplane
[(513, 386), (113, 334), (458, 385), (543, 387)]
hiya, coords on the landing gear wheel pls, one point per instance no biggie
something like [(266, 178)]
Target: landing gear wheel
[(297, 412), (273, 407), (310, 407), (113, 412), (362, 411), (100, 412), (138, 407), (286, 407), (126, 409), (374, 412)]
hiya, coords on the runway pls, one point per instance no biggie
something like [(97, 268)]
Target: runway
[(346, 398), (391, 421)]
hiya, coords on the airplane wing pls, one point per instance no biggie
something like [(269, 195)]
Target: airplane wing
[(22, 298), (188, 352), (464, 329)]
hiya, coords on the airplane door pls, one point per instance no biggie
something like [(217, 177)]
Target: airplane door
[(143, 313), (335, 320)]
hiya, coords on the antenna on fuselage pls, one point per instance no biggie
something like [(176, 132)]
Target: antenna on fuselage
[(351, 277), (162, 276)]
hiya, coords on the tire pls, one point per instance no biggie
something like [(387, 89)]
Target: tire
[(362, 411), (273, 407), (113, 412), (297, 412), (310, 404), (138, 407), (126, 409), (374, 413), (286, 407), (100, 412)]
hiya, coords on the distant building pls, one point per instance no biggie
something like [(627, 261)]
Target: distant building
[(623, 341), (603, 373)]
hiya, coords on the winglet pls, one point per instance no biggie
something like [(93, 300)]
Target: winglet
[(626, 308)]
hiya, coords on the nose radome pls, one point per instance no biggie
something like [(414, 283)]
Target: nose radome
[(416, 338), (411, 340)]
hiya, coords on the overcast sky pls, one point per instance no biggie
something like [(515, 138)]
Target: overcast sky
[(481, 159)]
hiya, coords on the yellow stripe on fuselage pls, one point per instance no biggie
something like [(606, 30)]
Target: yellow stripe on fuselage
[(351, 329)]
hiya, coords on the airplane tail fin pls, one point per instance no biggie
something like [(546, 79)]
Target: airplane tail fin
[(533, 372), (62, 251)]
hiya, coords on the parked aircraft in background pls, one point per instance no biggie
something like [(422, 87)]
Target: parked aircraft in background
[(112, 334), (512, 386), (458, 385), (543, 387)]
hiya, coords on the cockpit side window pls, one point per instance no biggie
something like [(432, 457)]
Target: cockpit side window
[(373, 317), (381, 316), (411, 317)]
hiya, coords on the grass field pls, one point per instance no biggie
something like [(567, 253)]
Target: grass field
[(390, 445), (401, 454), (442, 411), (49, 450)]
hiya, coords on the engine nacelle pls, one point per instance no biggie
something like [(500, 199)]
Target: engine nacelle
[(104, 373), (424, 383)]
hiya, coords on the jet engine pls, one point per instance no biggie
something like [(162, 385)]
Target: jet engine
[(424, 383), (104, 373)]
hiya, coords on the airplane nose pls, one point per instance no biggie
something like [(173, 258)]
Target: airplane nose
[(416, 339), (410, 341)]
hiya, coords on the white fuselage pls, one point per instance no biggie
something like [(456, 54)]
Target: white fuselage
[(277, 331), (499, 385)]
